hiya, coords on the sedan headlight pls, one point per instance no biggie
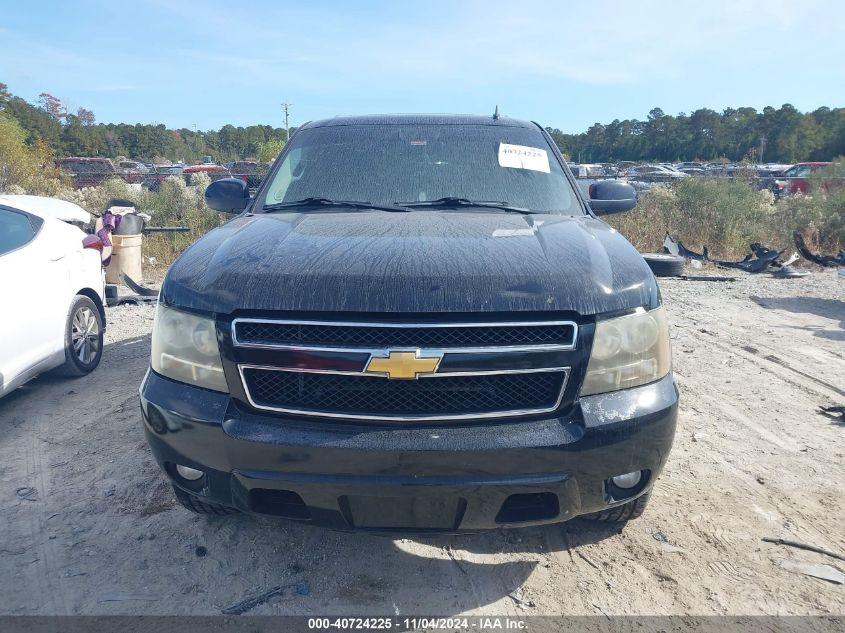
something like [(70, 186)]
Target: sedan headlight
[(185, 349), (628, 351)]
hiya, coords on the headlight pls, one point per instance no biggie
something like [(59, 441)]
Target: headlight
[(627, 352), (185, 349)]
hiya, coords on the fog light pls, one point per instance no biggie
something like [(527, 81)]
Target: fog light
[(628, 480), (191, 474)]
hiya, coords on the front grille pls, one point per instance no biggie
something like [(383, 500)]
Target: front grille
[(269, 333), (375, 397)]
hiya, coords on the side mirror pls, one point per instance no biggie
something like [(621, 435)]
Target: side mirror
[(229, 195), (612, 196)]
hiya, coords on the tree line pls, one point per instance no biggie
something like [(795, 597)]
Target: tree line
[(78, 134), (783, 135)]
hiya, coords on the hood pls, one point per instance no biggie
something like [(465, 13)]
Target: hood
[(45, 207), (420, 261)]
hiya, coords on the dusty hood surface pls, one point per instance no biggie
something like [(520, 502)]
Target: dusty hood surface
[(420, 261)]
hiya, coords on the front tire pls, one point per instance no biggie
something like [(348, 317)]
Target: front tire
[(83, 338)]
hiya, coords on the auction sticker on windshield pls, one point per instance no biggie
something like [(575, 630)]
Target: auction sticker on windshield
[(523, 157)]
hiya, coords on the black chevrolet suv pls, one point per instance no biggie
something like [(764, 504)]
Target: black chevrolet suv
[(417, 323)]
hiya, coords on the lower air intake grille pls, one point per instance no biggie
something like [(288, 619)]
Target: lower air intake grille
[(375, 397)]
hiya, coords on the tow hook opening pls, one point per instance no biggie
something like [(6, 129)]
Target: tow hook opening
[(536, 506)]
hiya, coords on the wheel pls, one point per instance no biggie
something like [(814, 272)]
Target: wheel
[(621, 514), (663, 265), (83, 338), (198, 506)]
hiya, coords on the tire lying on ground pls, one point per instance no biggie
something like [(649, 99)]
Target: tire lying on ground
[(663, 265)]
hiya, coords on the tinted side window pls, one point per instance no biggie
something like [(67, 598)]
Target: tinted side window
[(16, 229)]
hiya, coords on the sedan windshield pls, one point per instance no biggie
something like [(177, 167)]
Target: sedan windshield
[(393, 164)]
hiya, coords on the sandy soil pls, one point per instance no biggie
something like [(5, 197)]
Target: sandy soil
[(89, 526)]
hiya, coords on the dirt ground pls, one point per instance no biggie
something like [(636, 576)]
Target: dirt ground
[(88, 525)]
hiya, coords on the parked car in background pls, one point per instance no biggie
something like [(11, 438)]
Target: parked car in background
[(159, 173), (587, 170), (796, 178), (132, 171), (52, 269), (653, 173), (87, 172), (246, 170), (215, 172)]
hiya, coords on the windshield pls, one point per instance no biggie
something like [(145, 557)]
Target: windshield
[(797, 171), (395, 164)]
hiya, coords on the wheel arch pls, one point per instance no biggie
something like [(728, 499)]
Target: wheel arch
[(92, 294)]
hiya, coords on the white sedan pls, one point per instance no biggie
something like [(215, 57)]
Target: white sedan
[(53, 271)]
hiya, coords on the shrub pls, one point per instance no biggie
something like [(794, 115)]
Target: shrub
[(724, 215), (25, 167), (268, 150)]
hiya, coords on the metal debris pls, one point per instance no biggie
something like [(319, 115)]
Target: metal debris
[(827, 261), (823, 572), (248, 604), (804, 546)]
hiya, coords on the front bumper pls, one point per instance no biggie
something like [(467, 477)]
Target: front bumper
[(454, 477)]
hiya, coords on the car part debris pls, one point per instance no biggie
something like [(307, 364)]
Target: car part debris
[(804, 546), (827, 261), (166, 229), (790, 272), (239, 608), (664, 264), (760, 259), (142, 294), (763, 257), (706, 278), (676, 247), (138, 288), (836, 413), (823, 572)]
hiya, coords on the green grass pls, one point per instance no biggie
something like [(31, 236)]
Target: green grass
[(727, 215)]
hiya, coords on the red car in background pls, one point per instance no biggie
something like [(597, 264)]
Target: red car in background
[(795, 178), (215, 172)]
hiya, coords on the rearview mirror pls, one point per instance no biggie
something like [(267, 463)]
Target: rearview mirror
[(229, 195), (612, 196)]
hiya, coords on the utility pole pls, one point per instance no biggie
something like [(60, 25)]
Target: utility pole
[(286, 105)]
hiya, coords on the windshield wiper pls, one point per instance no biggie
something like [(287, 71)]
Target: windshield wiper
[(326, 202), (451, 202)]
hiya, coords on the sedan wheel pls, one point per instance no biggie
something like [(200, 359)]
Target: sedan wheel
[(83, 338), (85, 335)]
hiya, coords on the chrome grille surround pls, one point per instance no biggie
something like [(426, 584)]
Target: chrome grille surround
[(551, 404)]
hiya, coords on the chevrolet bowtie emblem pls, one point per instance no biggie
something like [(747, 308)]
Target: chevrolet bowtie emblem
[(406, 365)]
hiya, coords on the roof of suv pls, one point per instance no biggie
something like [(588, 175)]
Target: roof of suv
[(419, 119)]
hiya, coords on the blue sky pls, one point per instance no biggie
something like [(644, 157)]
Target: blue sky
[(563, 64)]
